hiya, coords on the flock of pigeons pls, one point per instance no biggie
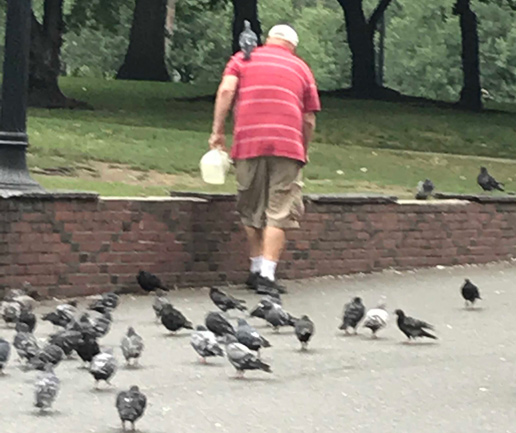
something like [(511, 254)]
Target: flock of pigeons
[(79, 332), (487, 182)]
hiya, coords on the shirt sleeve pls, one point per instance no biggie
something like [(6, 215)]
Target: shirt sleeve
[(233, 67), (311, 101)]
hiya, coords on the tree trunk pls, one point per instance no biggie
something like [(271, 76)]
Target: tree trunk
[(145, 58), (471, 93), (169, 25), (44, 65), (245, 10)]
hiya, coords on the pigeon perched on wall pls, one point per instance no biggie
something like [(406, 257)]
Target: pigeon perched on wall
[(470, 293), (248, 40), (353, 313), (149, 282), (11, 312), (226, 302), (130, 405), (47, 388), (173, 319), (218, 324), (276, 316), (413, 328), (50, 354), (249, 337), (87, 348), (376, 318), (205, 343), (242, 358), (424, 189), (5, 352), (25, 343), (488, 182), (304, 328), (103, 367), (132, 345), (160, 300), (259, 310)]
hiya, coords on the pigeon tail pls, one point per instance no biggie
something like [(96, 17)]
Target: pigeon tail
[(427, 334), (188, 325), (262, 365)]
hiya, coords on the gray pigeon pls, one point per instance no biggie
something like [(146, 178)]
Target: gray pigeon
[(50, 354), (102, 324), (132, 345), (25, 343), (249, 337), (5, 352), (242, 358), (304, 328), (47, 388), (488, 182), (259, 310), (131, 406), (205, 343), (248, 40), (11, 312), (277, 316), (218, 324), (27, 303), (424, 189), (103, 367), (62, 315), (159, 303), (226, 302), (353, 313)]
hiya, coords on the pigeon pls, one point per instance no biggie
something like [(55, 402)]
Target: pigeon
[(242, 358), (226, 302), (149, 282), (132, 345), (218, 324), (353, 313), (66, 339), (205, 343), (249, 337), (277, 316), (107, 303), (413, 328), (160, 301), (47, 388), (103, 367), (376, 318), (470, 293), (102, 324), (173, 319), (50, 354), (424, 189), (259, 310), (248, 40), (29, 319), (12, 294), (27, 303), (130, 405), (87, 348), (25, 343), (304, 328), (11, 312), (5, 352), (488, 182), (62, 315)]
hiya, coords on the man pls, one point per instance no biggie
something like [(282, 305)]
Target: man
[(275, 99)]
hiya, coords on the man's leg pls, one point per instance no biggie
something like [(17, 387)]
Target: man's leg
[(255, 239), (273, 242)]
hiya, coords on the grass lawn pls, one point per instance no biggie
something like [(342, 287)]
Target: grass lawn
[(142, 140)]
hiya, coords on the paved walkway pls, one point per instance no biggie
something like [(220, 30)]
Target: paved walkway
[(463, 383)]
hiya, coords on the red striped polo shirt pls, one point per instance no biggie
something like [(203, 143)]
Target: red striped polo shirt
[(275, 88)]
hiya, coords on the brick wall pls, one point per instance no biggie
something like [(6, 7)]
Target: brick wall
[(78, 245)]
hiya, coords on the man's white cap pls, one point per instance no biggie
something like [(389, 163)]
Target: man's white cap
[(287, 33)]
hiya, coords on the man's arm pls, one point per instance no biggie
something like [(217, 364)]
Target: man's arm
[(308, 128), (225, 97)]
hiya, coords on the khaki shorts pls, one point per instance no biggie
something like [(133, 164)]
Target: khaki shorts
[(269, 192)]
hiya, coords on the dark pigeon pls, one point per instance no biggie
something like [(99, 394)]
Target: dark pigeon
[(304, 328), (47, 388), (470, 293), (248, 40), (226, 302), (413, 328), (87, 348), (67, 340), (131, 406), (62, 315), (249, 337), (25, 343), (132, 345), (29, 319), (424, 189), (242, 358), (5, 352), (174, 320), (259, 310), (149, 282), (159, 303), (277, 316), (218, 324), (353, 313), (205, 343), (11, 312), (488, 182), (107, 303), (103, 367), (50, 354)]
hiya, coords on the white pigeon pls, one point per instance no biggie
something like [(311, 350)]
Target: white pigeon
[(103, 367), (376, 318), (205, 343)]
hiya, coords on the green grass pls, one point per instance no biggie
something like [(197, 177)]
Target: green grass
[(144, 127)]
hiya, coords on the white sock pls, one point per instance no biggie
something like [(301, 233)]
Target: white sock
[(256, 264), (268, 269)]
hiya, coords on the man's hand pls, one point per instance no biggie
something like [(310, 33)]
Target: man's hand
[(218, 141)]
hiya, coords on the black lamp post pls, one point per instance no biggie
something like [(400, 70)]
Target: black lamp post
[(14, 175)]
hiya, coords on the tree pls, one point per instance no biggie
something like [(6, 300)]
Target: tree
[(245, 10), (470, 95), (360, 33), (145, 58)]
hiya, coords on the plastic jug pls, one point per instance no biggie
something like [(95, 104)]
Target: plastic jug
[(214, 166)]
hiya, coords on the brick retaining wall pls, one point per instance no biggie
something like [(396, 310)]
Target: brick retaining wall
[(82, 244)]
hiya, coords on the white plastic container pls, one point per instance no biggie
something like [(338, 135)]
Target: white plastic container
[(214, 166)]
